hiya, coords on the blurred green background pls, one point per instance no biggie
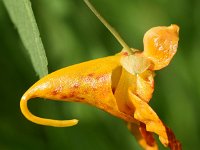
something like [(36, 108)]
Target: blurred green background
[(72, 34)]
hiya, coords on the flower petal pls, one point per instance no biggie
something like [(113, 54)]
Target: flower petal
[(90, 82), (135, 64), (144, 138), (160, 45)]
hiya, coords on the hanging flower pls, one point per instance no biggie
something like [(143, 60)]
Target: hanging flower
[(121, 85)]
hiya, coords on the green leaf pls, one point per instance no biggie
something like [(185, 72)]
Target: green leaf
[(23, 18)]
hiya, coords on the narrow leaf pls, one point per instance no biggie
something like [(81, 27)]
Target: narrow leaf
[(23, 18)]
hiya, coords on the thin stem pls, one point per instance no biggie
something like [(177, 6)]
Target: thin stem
[(108, 26)]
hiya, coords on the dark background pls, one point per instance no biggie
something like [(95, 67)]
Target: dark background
[(72, 34)]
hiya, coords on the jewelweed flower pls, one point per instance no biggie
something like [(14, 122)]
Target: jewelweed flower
[(121, 85)]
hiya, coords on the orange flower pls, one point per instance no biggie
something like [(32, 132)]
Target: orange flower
[(121, 85)]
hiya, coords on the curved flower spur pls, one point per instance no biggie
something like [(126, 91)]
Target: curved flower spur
[(121, 85)]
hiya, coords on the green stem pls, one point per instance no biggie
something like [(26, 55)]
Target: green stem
[(109, 27)]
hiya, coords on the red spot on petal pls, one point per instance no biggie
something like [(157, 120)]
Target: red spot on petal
[(125, 53), (66, 96), (101, 78), (148, 136), (56, 90), (91, 74), (80, 98), (174, 144)]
